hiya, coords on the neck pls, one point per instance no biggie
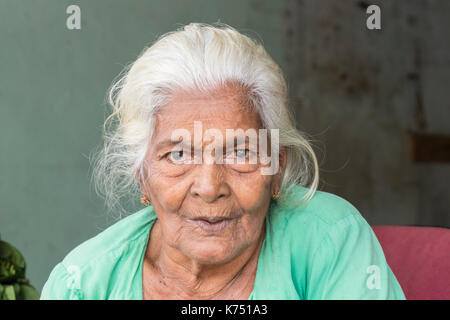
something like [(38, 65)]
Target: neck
[(194, 279)]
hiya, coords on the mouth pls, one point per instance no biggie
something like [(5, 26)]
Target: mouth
[(212, 225)]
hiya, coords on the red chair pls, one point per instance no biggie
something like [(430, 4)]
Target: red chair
[(419, 258)]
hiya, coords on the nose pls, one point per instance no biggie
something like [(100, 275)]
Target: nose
[(209, 184)]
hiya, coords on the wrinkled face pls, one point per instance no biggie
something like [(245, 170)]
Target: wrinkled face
[(209, 211)]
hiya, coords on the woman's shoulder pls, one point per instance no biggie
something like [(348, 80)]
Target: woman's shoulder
[(332, 250), (95, 260), (323, 208), (324, 215), (114, 238)]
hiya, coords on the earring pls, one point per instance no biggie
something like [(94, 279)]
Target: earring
[(145, 201), (276, 195)]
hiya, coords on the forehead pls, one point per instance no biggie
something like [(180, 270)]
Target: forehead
[(224, 108)]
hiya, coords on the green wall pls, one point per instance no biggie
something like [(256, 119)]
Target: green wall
[(53, 83)]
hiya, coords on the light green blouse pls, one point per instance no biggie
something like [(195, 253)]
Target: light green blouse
[(324, 251)]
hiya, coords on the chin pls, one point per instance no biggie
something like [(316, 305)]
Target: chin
[(212, 252)]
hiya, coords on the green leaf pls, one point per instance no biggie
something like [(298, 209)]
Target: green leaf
[(12, 263), (28, 292), (8, 293)]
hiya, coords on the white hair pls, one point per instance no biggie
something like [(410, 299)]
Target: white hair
[(201, 57)]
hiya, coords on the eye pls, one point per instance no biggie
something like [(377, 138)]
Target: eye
[(241, 153), (176, 156), (239, 156)]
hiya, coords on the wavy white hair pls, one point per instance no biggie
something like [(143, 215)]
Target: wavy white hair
[(201, 57)]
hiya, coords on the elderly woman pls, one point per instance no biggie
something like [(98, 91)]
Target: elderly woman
[(201, 130)]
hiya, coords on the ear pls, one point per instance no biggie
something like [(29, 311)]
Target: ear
[(140, 177), (276, 181), (283, 161)]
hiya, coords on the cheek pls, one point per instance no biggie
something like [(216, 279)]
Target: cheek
[(175, 231), (251, 190), (167, 192)]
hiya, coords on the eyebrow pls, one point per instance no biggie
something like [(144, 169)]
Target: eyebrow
[(169, 142), (233, 143)]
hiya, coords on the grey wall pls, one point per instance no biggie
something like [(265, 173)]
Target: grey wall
[(358, 91), (349, 85)]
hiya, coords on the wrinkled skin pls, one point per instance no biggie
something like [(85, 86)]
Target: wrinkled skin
[(189, 261)]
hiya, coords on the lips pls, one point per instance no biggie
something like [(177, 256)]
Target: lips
[(212, 225)]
